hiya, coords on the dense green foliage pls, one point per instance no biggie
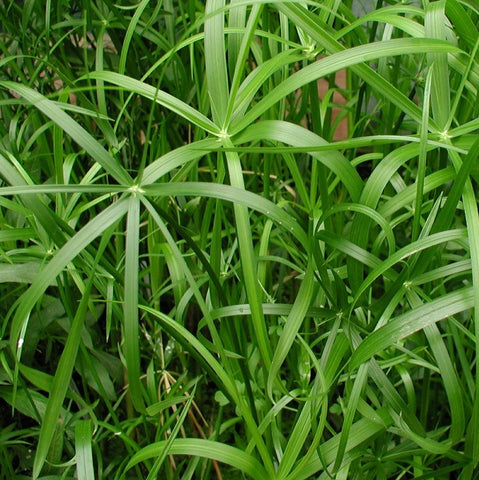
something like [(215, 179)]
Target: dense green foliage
[(201, 277)]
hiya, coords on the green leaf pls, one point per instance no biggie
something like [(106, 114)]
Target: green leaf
[(339, 60), (249, 263), (130, 306), (407, 251), (61, 382), (153, 474), (412, 321), (232, 194), (60, 260), (72, 128), (296, 135), (83, 450), (158, 96), (206, 449), (292, 325), (215, 60), (435, 26)]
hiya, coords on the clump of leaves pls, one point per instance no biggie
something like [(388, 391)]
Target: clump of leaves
[(201, 277)]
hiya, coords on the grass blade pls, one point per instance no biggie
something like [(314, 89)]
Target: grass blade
[(73, 129), (248, 260), (130, 307), (61, 259), (83, 450), (296, 135), (169, 101), (292, 325), (413, 321), (61, 382), (435, 26), (215, 61), (207, 449)]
